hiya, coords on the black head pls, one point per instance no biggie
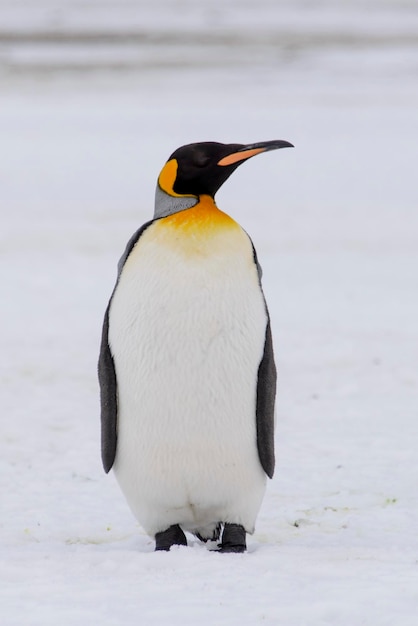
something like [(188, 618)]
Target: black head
[(202, 168)]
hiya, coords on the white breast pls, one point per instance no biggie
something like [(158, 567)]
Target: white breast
[(187, 331)]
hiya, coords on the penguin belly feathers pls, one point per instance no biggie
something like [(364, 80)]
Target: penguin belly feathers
[(186, 366)]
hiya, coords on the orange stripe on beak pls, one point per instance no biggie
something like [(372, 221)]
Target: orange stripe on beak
[(240, 156)]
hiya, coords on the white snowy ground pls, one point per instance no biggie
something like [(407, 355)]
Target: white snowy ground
[(335, 223)]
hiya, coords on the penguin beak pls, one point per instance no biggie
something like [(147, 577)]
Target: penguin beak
[(250, 150)]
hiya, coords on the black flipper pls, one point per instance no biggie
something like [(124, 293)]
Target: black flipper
[(108, 398), (266, 395), (107, 373)]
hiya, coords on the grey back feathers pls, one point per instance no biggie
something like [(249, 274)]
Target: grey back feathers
[(166, 205)]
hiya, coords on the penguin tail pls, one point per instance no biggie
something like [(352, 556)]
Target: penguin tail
[(211, 532)]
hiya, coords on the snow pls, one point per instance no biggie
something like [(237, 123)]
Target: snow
[(335, 224)]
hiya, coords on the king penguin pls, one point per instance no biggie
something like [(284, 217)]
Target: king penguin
[(186, 368)]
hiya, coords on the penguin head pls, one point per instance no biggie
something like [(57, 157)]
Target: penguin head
[(202, 168)]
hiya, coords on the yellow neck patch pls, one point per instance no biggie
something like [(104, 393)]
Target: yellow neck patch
[(203, 231), (203, 219), (195, 230)]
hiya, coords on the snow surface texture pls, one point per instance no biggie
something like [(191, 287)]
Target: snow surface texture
[(335, 224)]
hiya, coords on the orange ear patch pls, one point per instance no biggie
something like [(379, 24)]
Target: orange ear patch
[(167, 177), (230, 159)]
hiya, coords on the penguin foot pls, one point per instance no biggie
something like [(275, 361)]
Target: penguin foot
[(173, 536), (233, 539)]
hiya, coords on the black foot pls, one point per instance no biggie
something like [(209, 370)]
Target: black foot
[(173, 536), (233, 539)]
